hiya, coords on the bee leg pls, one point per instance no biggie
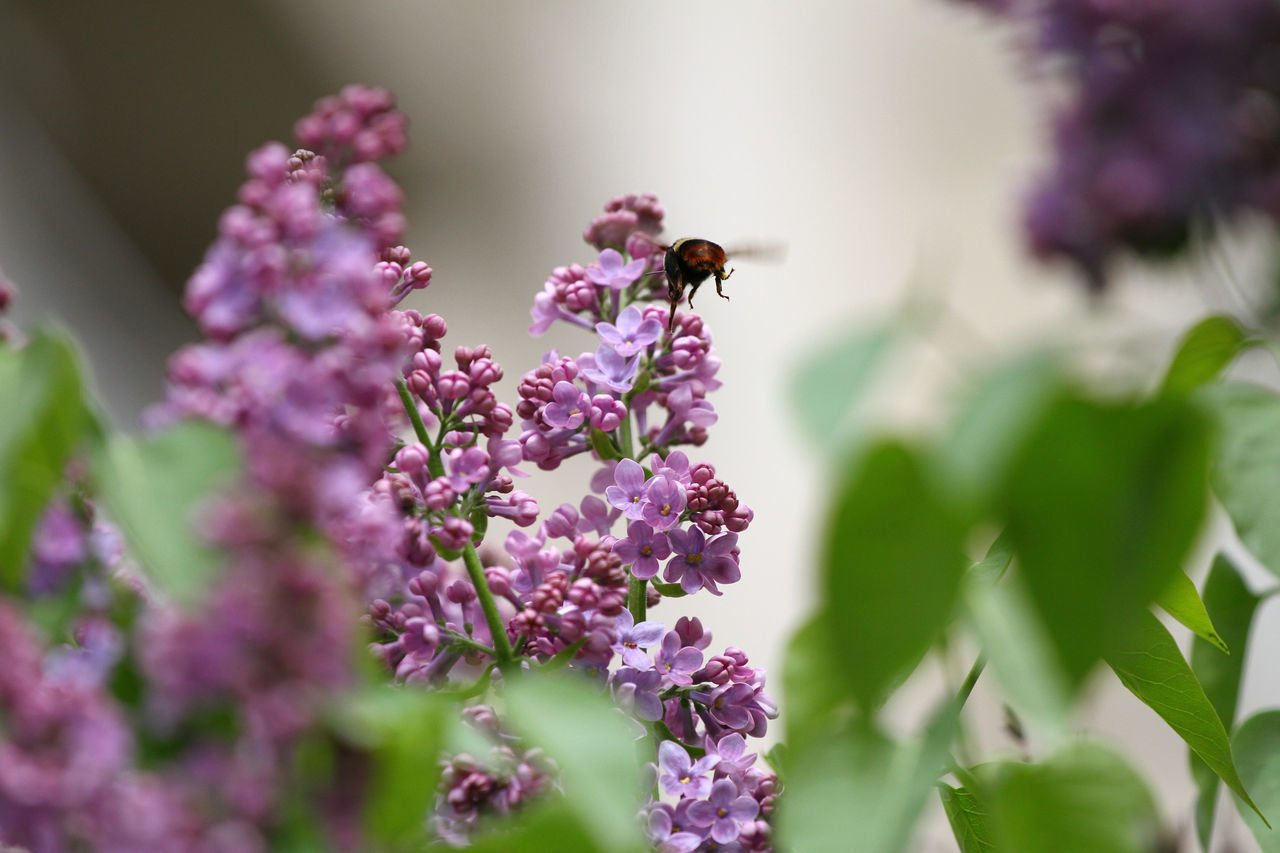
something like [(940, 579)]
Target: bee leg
[(671, 323), (721, 279), (693, 290)]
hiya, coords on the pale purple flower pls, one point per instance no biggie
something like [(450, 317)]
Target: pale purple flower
[(724, 811), (632, 638), (467, 467), (731, 706), (628, 492), (699, 564), (679, 775), (684, 408), (674, 467), (664, 501), (569, 407), (642, 549), (732, 749), (632, 334), (676, 663), (662, 833), (611, 272), (637, 690), (610, 369), (596, 517)]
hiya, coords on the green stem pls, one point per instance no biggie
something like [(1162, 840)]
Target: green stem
[(434, 465), (962, 695), (501, 645), (637, 599)]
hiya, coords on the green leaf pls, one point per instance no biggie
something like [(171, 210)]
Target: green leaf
[(1083, 798), (860, 791), (1232, 606), (153, 488), (992, 567), (403, 731), (603, 445), (669, 590), (1181, 601), (970, 822), (1257, 743), (1020, 654), (1247, 466), (816, 705), (45, 416), (891, 569), (824, 403), (541, 827), (1203, 353), (593, 747), (1102, 503), (1153, 669), (993, 422)]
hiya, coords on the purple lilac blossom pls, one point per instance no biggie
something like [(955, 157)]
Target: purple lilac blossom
[(633, 638), (1169, 125), (609, 369), (676, 663), (679, 775), (643, 549), (663, 503), (701, 564), (724, 811), (614, 273), (628, 491), (632, 334)]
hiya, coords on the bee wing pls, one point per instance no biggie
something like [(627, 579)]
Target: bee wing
[(769, 252)]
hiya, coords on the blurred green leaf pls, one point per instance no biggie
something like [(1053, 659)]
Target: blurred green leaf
[(153, 486), (860, 791), (541, 828), (891, 569), (970, 822), (816, 705), (1084, 798), (1232, 605), (1247, 466), (1020, 655), (1102, 503), (830, 381), (603, 445), (1203, 353), (403, 731), (1257, 743), (992, 567), (45, 416), (593, 747), (1153, 669), (1181, 601), (993, 421)]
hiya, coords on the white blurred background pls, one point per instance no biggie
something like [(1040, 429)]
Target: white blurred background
[(887, 144)]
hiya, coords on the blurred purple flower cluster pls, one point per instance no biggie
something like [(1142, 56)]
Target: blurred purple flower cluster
[(1172, 122), (375, 465)]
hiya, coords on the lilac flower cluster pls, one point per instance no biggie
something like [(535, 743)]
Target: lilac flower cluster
[(355, 427), (1173, 119)]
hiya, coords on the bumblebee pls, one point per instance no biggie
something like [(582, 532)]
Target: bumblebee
[(688, 263)]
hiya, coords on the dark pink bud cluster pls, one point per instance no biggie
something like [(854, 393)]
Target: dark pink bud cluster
[(622, 217), (358, 125), (555, 413), (714, 506), (472, 790)]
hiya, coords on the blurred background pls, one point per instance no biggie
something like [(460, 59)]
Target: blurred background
[(886, 144)]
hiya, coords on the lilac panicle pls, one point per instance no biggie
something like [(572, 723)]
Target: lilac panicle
[(1169, 126)]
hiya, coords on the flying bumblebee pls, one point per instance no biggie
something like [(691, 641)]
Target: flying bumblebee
[(690, 261)]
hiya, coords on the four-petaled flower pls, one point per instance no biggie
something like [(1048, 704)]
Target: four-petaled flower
[(680, 775), (632, 637), (677, 663), (569, 406), (632, 333), (611, 370), (701, 564), (627, 493), (724, 811), (611, 272), (664, 501), (642, 549)]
